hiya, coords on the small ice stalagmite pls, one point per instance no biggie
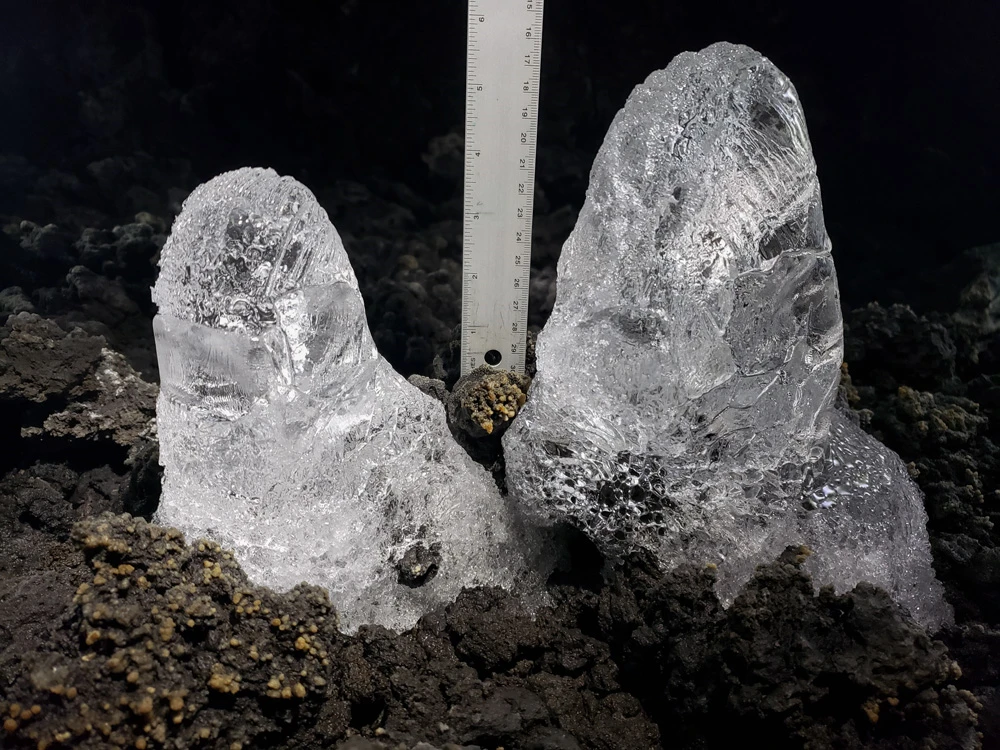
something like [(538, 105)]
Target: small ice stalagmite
[(286, 437), (686, 380)]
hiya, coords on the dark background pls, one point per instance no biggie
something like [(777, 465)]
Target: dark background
[(902, 101)]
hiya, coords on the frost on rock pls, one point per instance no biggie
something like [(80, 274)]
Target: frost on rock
[(286, 437), (686, 380)]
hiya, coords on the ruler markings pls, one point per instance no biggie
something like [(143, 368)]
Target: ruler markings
[(501, 128)]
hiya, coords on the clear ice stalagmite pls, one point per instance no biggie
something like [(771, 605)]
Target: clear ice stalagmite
[(287, 438), (685, 394)]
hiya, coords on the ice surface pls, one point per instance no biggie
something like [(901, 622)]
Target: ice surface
[(286, 437), (686, 380)]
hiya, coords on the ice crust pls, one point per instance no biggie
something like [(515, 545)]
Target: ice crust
[(685, 394), (286, 437)]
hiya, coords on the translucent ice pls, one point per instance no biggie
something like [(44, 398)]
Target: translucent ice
[(686, 380), (286, 437)]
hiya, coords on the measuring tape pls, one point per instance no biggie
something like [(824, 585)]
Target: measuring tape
[(504, 55)]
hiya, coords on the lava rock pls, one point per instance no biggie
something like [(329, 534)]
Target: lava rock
[(419, 565), (69, 386), (891, 346), (484, 402), (13, 300), (800, 668)]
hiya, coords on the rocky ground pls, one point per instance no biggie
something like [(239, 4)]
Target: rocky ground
[(117, 633)]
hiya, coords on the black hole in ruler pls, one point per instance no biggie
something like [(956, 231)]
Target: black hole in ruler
[(492, 357)]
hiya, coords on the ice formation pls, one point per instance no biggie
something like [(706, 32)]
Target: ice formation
[(287, 438), (685, 395)]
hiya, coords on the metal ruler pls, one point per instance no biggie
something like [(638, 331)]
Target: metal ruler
[(504, 54)]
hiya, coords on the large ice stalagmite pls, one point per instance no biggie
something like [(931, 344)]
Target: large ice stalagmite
[(686, 380), (286, 437)]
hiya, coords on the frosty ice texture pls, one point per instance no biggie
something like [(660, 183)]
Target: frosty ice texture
[(686, 380), (286, 437)]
